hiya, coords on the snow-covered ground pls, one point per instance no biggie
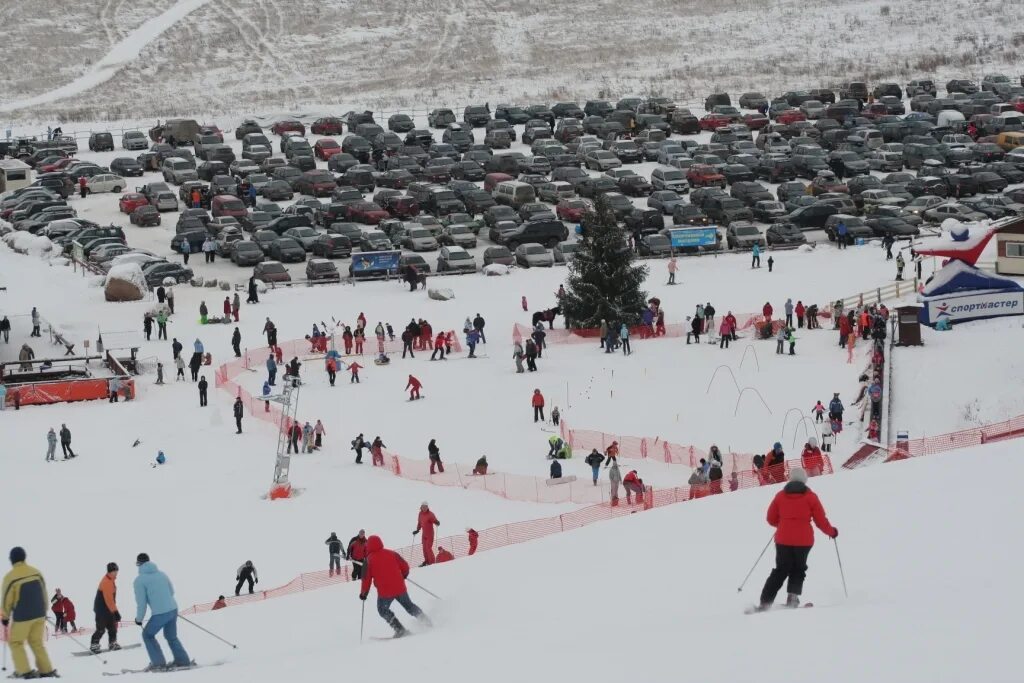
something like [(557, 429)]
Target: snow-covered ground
[(244, 56)]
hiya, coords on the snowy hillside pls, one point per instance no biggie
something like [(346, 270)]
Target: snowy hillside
[(930, 587), (245, 56)]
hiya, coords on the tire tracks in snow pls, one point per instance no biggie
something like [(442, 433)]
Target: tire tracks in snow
[(122, 53)]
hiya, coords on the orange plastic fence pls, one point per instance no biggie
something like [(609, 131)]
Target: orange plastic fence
[(965, 438)]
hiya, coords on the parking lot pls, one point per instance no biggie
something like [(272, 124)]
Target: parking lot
[(799, 167)]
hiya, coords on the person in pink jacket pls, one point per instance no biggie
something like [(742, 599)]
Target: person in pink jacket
[(725, 331)]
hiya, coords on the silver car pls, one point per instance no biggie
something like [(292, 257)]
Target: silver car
[(177, 170), (601, 160), (419, 239), (564, 251), (533, 255), (304, 236), (257, 153), (166, 201), (134, 140), (459, 236), (455, 259), (106, 182)]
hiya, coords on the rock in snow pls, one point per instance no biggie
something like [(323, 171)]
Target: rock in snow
[(125, 283)]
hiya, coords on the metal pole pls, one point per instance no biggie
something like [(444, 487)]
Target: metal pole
[(205, 630), (756, 562), (841, 574), (74, 640), (362, 620)]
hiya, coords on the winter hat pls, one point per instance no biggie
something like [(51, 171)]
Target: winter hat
[(777, 446), (812, 442), (798, 474), (17, 554), (141, 559), (111, 567)]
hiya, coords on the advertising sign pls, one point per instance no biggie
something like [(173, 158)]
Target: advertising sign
[(694, 237), (375, 262), (975, 306)]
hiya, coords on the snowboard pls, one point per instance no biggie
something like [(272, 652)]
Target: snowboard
[(416, 399), (87, 653), (755, 610)]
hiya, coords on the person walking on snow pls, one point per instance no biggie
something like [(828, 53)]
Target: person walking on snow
[(414, 386), (334, 552), (434, 454), (203, 386), (65, 441), (387, 571), (791, 513), (624, 336), (724, 333), (24, 603), (246, 574), (472, 338), (780, 339), (438, 347), (318, 435), (153, 590), (236, 306), (105, 609), (294, 434), (900, 263), (425, 522), (538, 405), (356, 553), (755, 256), (179, 363), (478, 325), (270, 330), (271, 370), (307, 437), (673, 266), (800, 311), (789, 312), (51, 445), (614, 480), (236, 343), (594, 459), (517, 356), (332, 369)]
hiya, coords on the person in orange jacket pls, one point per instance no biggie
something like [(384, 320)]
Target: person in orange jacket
[(611, 453), (413, 386), (220, 604), (538, 405), (425, 522), (105, 609), (443, 555), (332, 370), (791, 512)]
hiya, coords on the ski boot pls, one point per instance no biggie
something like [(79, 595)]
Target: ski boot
[(114, 646), (153, 668), (793, 600), (50, 674), (763, 607), (399, 629), (27, 675), (95, 648), (425, 620)]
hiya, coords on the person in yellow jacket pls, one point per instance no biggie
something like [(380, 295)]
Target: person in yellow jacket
[(24, 603)]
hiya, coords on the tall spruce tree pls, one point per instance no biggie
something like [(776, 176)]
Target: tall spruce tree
[(603, 282)]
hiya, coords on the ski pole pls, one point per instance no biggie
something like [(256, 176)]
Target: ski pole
[(362, 620), (431, 594), (756, 562), (5, 649), (206, 630), (841, 573), (74, 640)]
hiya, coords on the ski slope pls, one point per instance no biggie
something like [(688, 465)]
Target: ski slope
[(654, 596)]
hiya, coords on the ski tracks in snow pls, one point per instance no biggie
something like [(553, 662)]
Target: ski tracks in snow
[(121, 53)]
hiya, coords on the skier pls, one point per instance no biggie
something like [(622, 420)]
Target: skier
[(594, 459), (538, 405), (633, 485), (387, 571), (377, 452), (478, 325), (154, 590), (818, 410), (57, 606), (24, 603), (434, 454), (179, 363), (318, 435), (105, 609), (356, 553), (835, 408), (900, 263), (517, 356), (237, 411), (791, 513), (555, 416), (246, 574), (472, 338), (413, 386), (332, 369), (391, 332), (65, 441), (236, 342), (51, 445), (425, 522), (358, 444), (827, 437), (334, 552), (614, 479)]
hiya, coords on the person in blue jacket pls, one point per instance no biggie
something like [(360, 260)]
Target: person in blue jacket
[(755, 253), (154, 590), (624, 336), (271, 370), (197, 346)]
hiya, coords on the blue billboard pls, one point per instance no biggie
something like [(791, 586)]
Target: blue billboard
[(694, 237), (375, 262)]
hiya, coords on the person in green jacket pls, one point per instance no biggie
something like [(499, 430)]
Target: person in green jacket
[(161, 325), (24, 604), (791, 338)]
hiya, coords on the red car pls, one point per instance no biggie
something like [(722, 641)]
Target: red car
[(328, 125), (571, 210), (326, 148), (790, 116), (712, 121), (367, 212), (57, 165), (402, 206), (288, 125), (702, 175), (130, 201), (212, 129), (756, 121)]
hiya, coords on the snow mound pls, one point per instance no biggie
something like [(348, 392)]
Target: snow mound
[(805, 248), (440, 294), (27, 243), (952, 225), (496, 269), (125, 282), (261, 286)]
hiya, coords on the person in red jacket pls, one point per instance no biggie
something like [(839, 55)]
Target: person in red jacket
[(474, 539), (439, 344), (767, 310), (413, 386), (538, 405), (791, 513), (443, 555), (387, 571), (633, 484), (845, 328), (69, 615), (425, 522), (354, 368), (811, 458), (800, 312)]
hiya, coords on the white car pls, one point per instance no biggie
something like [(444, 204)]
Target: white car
[(455, 259), (106, 182)]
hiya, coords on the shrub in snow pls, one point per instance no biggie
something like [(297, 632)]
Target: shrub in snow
[(440, 294), (125, 283), (169, 282), (27, 243), (225, 286), (496, 269), (210, 283), (197, 281)]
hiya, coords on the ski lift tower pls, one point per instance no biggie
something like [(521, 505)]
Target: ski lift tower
[(289, 401)]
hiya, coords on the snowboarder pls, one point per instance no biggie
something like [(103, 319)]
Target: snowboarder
[(65, 441), (105, 609), (246, 574), (356, 553), (203, 386), (59, 606), (791, 513), (24, 603), (594, 459), (425, 522), (334, 553), (51, 445), (237, 411), (414, 386), (154, 590), (377, 452), (434, 454), (439, 346), (481, 465), (538, 405), (387, 571), (358, 444)]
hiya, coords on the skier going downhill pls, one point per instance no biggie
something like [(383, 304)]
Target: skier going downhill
[(387, 571), (791, 513)]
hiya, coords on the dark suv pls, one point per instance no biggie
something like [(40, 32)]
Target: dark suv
[(476, 115), (546, 231)]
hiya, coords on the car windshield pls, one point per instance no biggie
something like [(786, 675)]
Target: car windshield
[(657, 240), (459, 256), (747, 230)]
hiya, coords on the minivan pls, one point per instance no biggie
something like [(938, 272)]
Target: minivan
[(101, 142), (669, 179), (514, 193), (1011, 140), (227, 205)]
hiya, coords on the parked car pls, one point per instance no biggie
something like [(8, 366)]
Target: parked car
[(743, 235), (532, 255), (286, 249), (455, 259), (246, 253), (271, 271), (784, 235), (105, 182), (145, 216)]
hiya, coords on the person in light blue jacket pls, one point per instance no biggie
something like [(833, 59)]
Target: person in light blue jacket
[(271, 370), (154, 590), (755, 253), (197, 346), (624, 337)]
